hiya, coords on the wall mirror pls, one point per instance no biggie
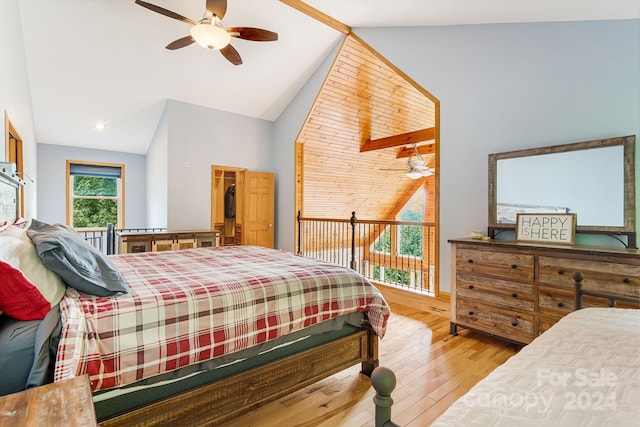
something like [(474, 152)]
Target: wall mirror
[(593, 179)]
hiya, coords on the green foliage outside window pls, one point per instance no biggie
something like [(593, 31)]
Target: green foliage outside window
[(383, 242), (95, 201), (409, 236), (410, 241), (392, 275), (94, 212), (94, 186)]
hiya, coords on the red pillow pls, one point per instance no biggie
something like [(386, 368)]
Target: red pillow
[(19, 298)]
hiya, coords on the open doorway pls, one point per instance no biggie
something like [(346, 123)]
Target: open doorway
[(368, 124)]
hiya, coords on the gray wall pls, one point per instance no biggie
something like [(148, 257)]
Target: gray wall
[(501, 88), (52, 166), (157, 179), (15, 97), (198, 138), (514, 86), (287, 128)]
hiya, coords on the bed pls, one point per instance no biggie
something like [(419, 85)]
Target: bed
[(583, 371), (196, 336)]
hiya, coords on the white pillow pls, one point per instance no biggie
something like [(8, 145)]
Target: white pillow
[(17, 249)]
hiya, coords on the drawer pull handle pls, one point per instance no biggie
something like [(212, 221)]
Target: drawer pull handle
[(470, 261), (514, 295), (560, 271), (514, 323), (560, 304), (625, 280), (514, 266), (470, 286), (471, 313)]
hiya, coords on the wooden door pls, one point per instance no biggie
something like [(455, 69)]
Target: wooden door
[(258, 209), (13, 153)]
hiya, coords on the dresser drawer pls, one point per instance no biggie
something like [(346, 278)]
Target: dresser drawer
[(505, 323), (520, 296), (555, 302), (612, 278), (502, 265)]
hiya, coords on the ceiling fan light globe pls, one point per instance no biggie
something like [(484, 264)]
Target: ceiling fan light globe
[(210, 35), (413, 174), (416, 163)]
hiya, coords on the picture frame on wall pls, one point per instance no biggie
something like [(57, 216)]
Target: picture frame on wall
[(546, 228)]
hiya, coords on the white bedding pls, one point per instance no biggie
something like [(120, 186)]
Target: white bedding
[(584, 371)]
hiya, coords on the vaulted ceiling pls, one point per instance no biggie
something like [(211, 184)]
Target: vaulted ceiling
[(358, 135), (105, 59)]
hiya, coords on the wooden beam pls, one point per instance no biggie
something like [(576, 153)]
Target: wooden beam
[(317, 15), (423, 150), (402, 139)]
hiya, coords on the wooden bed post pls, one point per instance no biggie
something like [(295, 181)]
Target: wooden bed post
[(578, 278), (383, 381), (111, 245), (372, 362), (299, 232), (353, 240)]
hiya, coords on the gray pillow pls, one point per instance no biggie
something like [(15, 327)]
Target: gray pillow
[(80, 265)]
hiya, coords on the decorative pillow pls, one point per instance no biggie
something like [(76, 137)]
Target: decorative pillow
[(79, 264), (18, 250), (19, 298)]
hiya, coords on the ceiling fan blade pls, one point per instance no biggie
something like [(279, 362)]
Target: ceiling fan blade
[(165, 12), (216, 7), (182, 42), (231, 54), (254, 34)]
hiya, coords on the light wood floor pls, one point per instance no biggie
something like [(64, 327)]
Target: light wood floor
[(432, 370)]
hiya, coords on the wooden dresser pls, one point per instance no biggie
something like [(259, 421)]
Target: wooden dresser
[(131, 242), (517, 290)]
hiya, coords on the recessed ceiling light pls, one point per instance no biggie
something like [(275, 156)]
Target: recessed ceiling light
[(100, 126)]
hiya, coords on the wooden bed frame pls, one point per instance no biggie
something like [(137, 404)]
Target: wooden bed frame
[(226, 398), (229, 397)]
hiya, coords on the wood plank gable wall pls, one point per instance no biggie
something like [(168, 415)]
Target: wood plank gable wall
[(365, 103)]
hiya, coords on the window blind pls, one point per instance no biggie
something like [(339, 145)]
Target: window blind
[(95, 170)]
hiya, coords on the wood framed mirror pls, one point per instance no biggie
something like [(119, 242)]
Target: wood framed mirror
[(593, 179)]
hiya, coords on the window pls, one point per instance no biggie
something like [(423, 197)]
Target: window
[(410, 236), (95, 194), (397, 252)]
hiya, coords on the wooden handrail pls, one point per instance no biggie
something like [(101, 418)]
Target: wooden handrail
[(351, 242), (366, 221)]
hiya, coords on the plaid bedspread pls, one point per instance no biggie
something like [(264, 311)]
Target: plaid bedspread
[(189, 306)]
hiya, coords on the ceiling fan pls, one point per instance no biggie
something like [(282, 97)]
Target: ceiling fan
[(415, 166), (209, 32)]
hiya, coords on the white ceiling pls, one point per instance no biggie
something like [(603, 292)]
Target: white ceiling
[(92, 60)]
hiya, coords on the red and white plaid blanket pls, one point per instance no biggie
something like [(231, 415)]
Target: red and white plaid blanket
[(189, 306)]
